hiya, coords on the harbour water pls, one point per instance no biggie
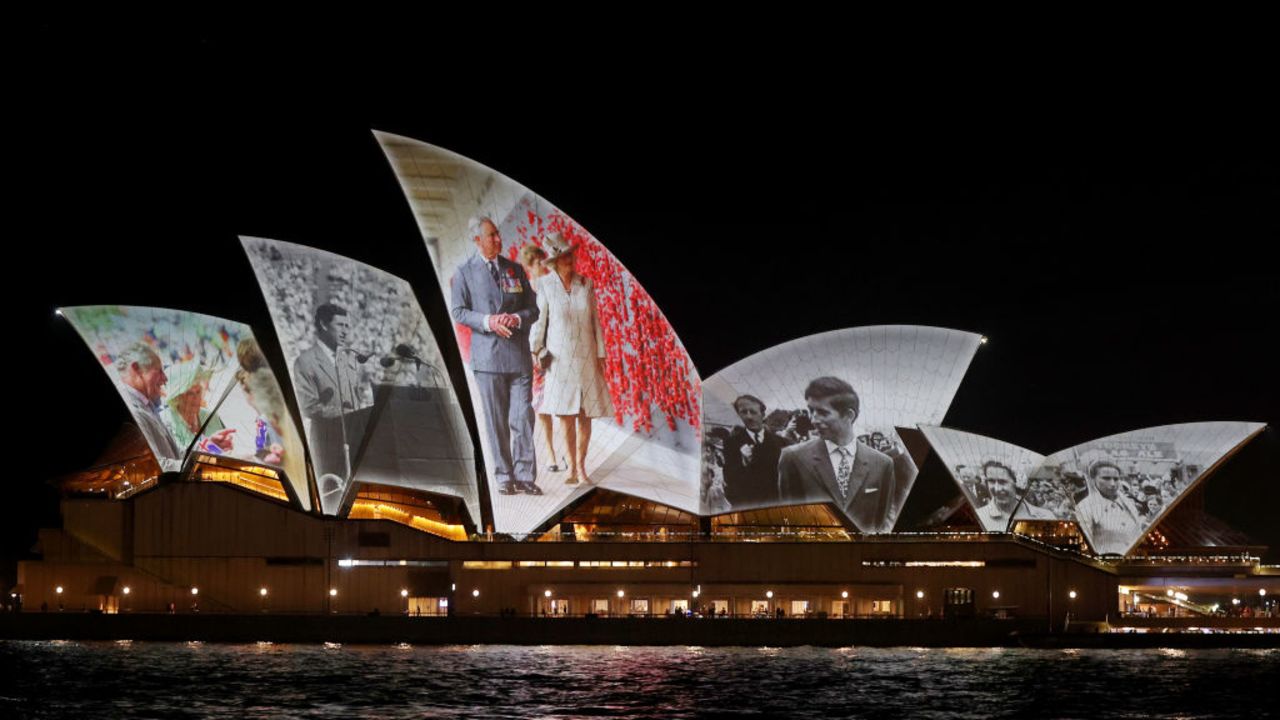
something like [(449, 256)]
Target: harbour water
[(41, 679)]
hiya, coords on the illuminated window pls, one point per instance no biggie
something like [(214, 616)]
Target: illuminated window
[(925, 563), (486, 565)]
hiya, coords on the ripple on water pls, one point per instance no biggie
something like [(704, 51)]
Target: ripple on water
[(61, 678)]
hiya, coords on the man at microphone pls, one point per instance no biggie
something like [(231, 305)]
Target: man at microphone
[(327, 378)]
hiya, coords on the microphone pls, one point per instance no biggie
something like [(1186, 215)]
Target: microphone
[(407, 352), (361, 357)]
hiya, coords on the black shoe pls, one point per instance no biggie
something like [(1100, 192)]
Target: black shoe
[(508, 489), (531, 489)]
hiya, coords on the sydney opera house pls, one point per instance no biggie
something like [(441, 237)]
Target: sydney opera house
[(812, 479)]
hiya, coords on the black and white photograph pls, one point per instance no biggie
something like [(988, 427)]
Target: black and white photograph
[(1125, 483), (376, 404), (777, 437)]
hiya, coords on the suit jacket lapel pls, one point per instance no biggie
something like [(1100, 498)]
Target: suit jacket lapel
[(821, 462), (324, 366), (858, 476)]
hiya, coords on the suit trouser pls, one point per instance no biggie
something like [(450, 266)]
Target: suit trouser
[(508, 407)]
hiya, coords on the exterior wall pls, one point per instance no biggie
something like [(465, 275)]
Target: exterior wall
[(100, 524), (230, 544)]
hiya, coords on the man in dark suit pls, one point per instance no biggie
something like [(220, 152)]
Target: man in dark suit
[(492, 296), (834, 467), (751, 457)]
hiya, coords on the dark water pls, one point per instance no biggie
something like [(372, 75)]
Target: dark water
[(133, 679)]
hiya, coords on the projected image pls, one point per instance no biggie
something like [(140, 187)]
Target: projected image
[(195, 384), (1125, 483), (577, 378), (1001, 481), (815, 420), (376, 404)]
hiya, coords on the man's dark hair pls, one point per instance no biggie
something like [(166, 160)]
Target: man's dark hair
[(834, 390), (749, 398), (1095, 467), (997, 464), (326, 312)]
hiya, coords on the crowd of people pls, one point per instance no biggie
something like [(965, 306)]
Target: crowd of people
[(1113, 501), (386, 314)]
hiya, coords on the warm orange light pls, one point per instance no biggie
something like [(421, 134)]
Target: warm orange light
[(333, 592), (404, 593), (58, 589), (125, 590), (195, 591), (262, 592), (368, 510)]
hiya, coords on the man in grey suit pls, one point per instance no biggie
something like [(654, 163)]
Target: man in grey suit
[(492, 296), (835, 467), (327, 380)]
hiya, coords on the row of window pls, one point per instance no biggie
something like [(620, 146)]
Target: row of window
[(508, 564)]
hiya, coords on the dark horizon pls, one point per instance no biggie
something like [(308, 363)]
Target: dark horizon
[(1120, 271)]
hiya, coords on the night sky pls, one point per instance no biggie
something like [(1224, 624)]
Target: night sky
[(1114, 244)]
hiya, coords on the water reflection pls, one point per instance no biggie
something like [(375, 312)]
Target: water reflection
[(109, 679)]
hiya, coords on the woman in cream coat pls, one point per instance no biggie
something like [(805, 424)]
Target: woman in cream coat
[(568, 343)]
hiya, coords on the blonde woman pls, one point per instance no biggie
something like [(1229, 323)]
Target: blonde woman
[(532, 259), (568, 343)]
